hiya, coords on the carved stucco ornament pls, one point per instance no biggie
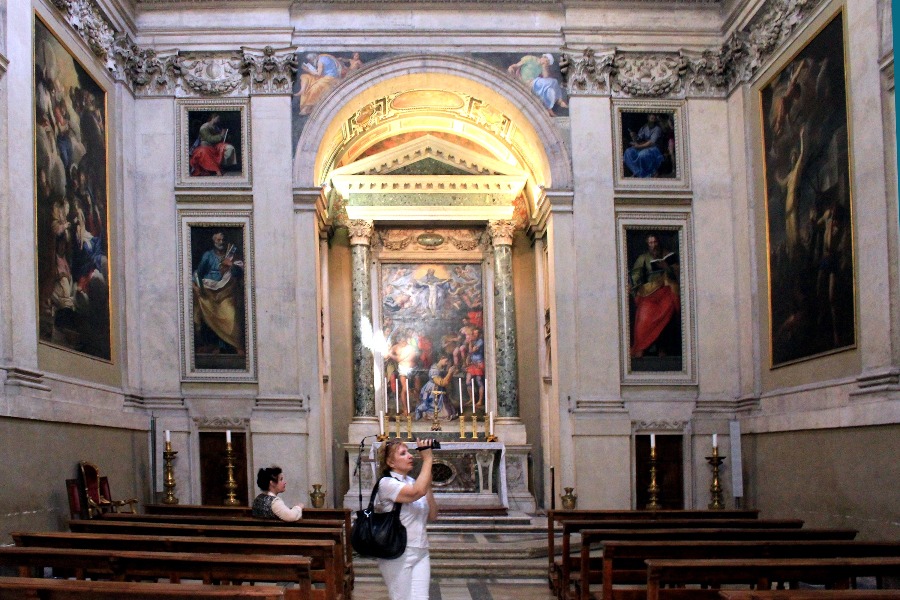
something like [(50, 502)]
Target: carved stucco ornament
[(501, 232), (360, 231)]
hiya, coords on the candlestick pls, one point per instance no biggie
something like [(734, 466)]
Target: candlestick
[(397, 422), (462, 425), (397, 399), (473, 396), (474, 426), (168, 436), (408, 427), (230, 483), (169, 473), (436, 418), (490, 437), (459, 386), (715, 488), (491, 430), (406, 385), (715, 441), (653, 488)]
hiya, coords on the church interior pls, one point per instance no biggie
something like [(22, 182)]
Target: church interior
[(615, 255)]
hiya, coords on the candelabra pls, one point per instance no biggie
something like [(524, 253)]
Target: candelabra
[(169, 475), (715, 488), (653, 488), (230, 483)]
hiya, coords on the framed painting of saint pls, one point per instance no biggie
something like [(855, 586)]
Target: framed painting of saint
[(71, 203), (432, 317), (212, 143), (809, 212), (649, 145), (656, 298), (217, 296)]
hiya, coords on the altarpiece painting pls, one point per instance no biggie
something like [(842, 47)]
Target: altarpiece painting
[(70, 201), (808, 202)]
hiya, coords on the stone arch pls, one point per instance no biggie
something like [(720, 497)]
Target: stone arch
[(399, 74)]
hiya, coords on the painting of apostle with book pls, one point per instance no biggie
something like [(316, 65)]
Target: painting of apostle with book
[(655, 300), (215, 138)]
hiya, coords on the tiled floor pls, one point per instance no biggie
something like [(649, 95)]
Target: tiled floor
[(463, 589)]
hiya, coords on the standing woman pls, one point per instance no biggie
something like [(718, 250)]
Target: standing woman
[(408, 577), (268, 505)]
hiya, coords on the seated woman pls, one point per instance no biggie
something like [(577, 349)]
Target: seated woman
[(268, 505)]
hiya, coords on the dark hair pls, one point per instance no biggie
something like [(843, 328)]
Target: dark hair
[(266, 476)]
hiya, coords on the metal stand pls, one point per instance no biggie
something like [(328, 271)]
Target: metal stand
[(230, 483), (715, 488), (653, 489), (169, 475)]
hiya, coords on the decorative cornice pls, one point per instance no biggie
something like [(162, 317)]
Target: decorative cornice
[(714, 72), (659, 425), (218, 422)]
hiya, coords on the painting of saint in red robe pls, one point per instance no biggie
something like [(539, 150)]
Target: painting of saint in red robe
[(215, 142)]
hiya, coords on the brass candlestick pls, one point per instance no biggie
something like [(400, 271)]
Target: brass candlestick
[(715, 488), (436, 418), (397, 423), (408, 427), (474, 426), (169, 474), (381, 437), (230, 483), (653, 489), (462, 426)]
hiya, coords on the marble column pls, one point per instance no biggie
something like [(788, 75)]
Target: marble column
[(501, 233), (363, 363)]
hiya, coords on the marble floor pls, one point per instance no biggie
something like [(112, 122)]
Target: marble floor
[(371, 588)]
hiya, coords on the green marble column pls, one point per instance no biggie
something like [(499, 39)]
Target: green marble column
[(505, 320), (361, 314)]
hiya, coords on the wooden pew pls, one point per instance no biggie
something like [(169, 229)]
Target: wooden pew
[(569, 564), (325, 554), (833, 572), (22, 588), (596, 537), (623, 561), (236, 511), (556, 517), (175, 566), (810, 595), (104, 526)]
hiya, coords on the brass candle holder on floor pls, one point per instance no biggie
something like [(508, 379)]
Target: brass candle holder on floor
[(653, 488), (169, 474), (230, 483), (715, 488)]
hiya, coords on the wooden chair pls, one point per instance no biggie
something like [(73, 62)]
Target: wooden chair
[(97, 497)]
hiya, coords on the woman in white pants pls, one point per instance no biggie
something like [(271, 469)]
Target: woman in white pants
[(407, 577)]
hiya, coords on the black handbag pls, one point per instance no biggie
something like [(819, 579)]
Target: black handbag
[(379, 535)]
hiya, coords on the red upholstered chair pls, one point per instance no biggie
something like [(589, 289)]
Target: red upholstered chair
[(77, 503), (97, 497)]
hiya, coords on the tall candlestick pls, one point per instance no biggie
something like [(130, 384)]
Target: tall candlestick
[(227, 436), (397, 399), (715, 441), (653, 440), (407, 395), (473, 396), (381, 422), (168, 436)]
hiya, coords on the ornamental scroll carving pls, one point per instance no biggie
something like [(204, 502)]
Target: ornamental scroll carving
[(713, 72)]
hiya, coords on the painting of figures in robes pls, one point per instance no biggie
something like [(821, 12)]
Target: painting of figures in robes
[(655, 299), (217, 297), (808, 202), (212, 143), (433, 323), (70, 201)]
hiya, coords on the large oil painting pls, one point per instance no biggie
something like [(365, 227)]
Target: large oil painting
[(70, 201), (809, 209), (433, 322)]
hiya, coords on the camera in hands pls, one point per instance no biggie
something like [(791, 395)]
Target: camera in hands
[(435, 445)]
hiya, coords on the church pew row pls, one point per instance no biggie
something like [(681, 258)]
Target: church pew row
[(28, 588), (336, 518), (335, 534), (174, 566), (623, 562), (325, 554), (236, 511), (556, 517), (805, 594), (571, 566), (839, 573)]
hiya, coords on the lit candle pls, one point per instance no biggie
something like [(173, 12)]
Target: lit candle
[(491, 426), (459, 385), (653, 440), (473, 396), (715, 441), (168, 436), (227, 436), (407, 395), (397, 399), (381, 422)]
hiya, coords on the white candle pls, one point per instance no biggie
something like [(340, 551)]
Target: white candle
[(397, 399), (491, 427), (227, 436), (407, 395), (473, 396), (168, 436), (385, 395), (381, 422), (715, 441), (653, 440), (459, 385)]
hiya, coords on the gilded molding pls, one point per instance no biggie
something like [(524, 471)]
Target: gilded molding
[(714, 72)]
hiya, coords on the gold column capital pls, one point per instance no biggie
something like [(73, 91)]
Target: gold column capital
[(501, 232), (361, 231)]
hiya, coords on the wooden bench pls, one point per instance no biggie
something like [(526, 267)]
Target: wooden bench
[(174, 566), (761, 572), (623, 562), (556, 517), (27, 588), (810, 595), (325, 556), (709, 532)]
